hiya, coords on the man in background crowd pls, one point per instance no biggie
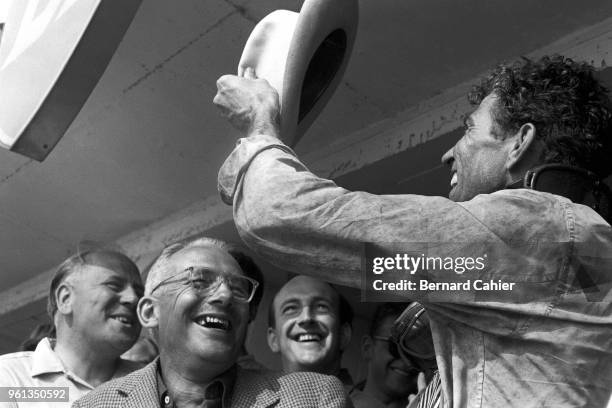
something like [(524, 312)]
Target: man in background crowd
[(92, 303), (199, 298), (309, 325), (390, 379)]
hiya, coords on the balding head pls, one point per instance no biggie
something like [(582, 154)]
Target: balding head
[(303, 283), (309, 325), (92, 301), (105, 258)]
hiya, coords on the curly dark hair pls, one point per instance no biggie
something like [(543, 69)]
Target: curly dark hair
[(568, 106)]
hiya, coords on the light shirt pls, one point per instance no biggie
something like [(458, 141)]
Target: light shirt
[(550, 346), (43, 368)]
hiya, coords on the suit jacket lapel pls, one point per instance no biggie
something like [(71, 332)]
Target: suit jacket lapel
[(254, 389), (142, 390)]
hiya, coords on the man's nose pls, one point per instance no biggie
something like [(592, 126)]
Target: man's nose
[(448, 157), (306, 315), (222, 294), (129, 296)]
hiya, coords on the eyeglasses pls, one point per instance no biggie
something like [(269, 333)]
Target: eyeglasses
[(420, 349), (206, 281), (395, 352), (392, 345)]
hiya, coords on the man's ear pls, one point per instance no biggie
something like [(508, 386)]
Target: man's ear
[(64, 296), (273, 340), (526, 150), (366, 347), (148, 312), (346, 332)]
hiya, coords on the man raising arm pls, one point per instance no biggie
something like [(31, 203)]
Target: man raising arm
[(542, 350)]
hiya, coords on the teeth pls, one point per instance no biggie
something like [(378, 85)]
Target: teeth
[(123, 319), (308, 337), (214, 322), (453, 181), (210, 319)]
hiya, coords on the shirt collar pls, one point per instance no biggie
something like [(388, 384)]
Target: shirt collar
[(44, 359), (221, 386)]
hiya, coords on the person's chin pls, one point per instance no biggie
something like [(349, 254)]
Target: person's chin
[(455, 194), (310, 359), (398, 381), (212, 353), (122, 343), (212, 348), (310, 351)]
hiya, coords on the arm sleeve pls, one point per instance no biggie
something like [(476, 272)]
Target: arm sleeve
[(300, 221), (308, 224)]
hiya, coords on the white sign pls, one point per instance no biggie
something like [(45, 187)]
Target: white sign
[(52, 53)]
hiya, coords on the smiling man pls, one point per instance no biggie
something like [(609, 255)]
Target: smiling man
[(199, 298), (390, 379), (544, 344), (92, 303), (309, 324)]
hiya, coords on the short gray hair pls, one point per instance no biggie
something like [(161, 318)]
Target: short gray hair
[(158, 270)]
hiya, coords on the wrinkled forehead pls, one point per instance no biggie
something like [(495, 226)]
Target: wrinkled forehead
[(306, 290), (99, 266), (486, 108)]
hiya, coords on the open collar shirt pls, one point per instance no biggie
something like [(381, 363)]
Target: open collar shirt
[(547, 343), (217, 394), (43, 368)]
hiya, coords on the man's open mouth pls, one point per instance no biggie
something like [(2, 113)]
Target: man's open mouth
[(406, 373), (307, 337), (214, 322), (124, 319)]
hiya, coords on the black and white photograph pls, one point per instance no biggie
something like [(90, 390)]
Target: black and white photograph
[(306, 203)]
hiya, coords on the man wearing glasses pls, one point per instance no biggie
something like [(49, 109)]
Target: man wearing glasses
[(390, 378), (199, 298)]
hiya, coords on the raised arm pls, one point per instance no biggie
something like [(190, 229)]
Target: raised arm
[(308, 224)]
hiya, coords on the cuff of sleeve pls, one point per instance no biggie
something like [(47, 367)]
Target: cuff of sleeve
[(237, 163)]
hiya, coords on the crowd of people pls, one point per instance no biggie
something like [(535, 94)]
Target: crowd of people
[(194, 309), (526, 183)]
